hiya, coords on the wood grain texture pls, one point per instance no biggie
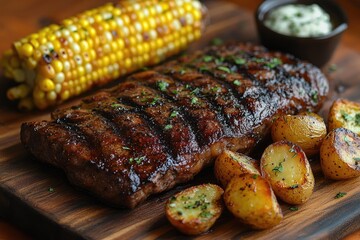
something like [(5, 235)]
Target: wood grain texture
[(68, 213)]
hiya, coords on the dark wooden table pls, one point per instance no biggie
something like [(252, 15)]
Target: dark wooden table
[(18, 20)]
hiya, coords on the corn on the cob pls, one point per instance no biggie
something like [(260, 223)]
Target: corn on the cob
[(97, 46)]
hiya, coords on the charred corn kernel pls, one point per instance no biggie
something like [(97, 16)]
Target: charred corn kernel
[(97, 46), (26, 104), (18, 92), (47, 71), (19, 75)]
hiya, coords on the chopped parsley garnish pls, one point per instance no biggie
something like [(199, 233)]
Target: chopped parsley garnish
[(155, 100), (195, 91), (172, 199), (175, 92), (204, 69), (239, 61), (194, 100), (215, 89), (340, 195), (51, 189), (237, 82), (207, 58), (278, 168), (345, 115), (138, 160), (167, 127), (274, 62), (293, 150), (258, 60), (347, 140), (162, 85), (255, 176), (293, 208), (182, 71), (205, 214), (294, 186), (315, 96), (357, 119), (126, 148), (332, 68), (219, 60), (174, 114), (216, 41), (116, 105), (225, 69)]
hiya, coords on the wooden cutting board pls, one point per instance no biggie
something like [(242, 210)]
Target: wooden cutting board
[(40, 199)]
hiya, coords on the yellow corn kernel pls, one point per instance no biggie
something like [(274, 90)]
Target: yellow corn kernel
[(97, 46), (46, 85), (57, 65), (26, 50)]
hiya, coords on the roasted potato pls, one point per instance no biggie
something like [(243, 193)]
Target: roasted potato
[(346, 114), (194, 210), (250, 198), (306, 130), (287, 169), (340, 154), (229, 164)]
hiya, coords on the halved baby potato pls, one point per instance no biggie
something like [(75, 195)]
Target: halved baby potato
[(340, 154), (194, 210), (287, 169), (250, 198), (229, 164), (306, 130), (346, 114)]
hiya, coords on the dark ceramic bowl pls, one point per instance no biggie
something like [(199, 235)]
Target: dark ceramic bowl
[(317, 50)]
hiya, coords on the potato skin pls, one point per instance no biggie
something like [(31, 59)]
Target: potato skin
[(287, 169), (306, 130), (346, 114), (250, 198), (195, 209), (229, 164), (340, 154)]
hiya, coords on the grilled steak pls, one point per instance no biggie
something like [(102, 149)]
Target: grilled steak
[(161, 127)]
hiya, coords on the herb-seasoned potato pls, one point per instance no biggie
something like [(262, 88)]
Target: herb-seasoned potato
[(306, 130), (346, 114), (229, 164), (286, 167), (194, 210), (340, 154), (250, 198)]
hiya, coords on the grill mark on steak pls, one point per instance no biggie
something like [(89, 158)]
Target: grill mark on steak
[(128, 116), (196, 87), (198, 115)]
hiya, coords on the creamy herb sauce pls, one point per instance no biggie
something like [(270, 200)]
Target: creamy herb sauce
[(299, 20)]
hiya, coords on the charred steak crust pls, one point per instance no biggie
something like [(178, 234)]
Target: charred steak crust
[(161, 127)]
